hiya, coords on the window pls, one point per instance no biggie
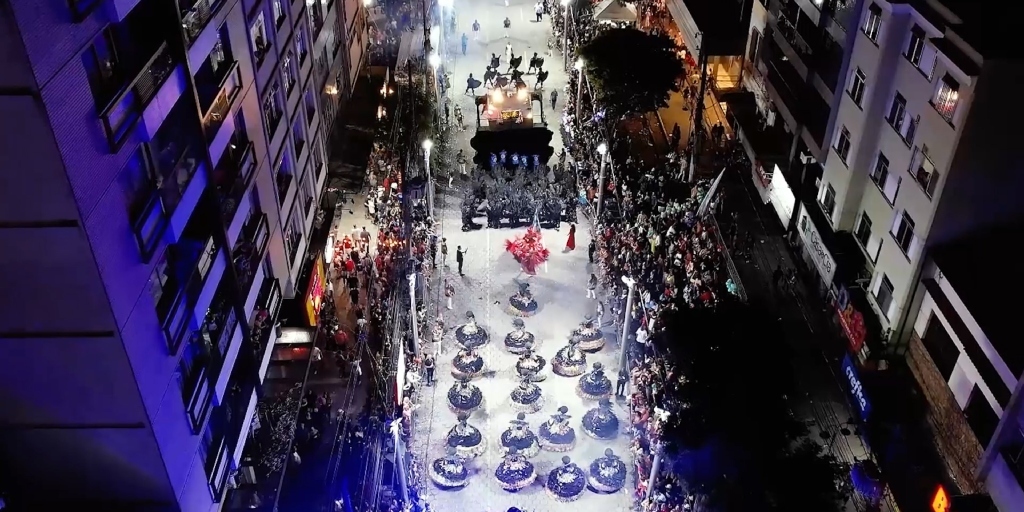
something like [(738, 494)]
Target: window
[(305, 198), (272, 110), (919, 52), (278, 13), (259, 40), (755, 43), (880, 173), (900, 119), (283, 176), (862, 231), (288, 71), (903, 231), (219, 54), (318, 159), (828, 201), (310, 101), (873, 22), (857, 86), (300, 45), (100, 62), (293, 235), (940, 347), (299, 134), (883, 296), (926, 174), (158, 285), (843, 144), (946, 98), (982, 419)]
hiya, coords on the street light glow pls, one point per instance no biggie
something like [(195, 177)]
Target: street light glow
[(428, 145), (602, 148), (435, 60), (578, 65)]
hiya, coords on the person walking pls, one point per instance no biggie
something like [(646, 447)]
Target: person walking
[(465, 43), (591, 249), (538, 9), (570, 244), (476, 30), (449, 292), (507, 24), (460, 258), (592, 287), (620, 385), (554, 99), (428, 365), (444, 252)]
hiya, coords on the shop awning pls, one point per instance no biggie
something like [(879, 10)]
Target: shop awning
[(614, 10)]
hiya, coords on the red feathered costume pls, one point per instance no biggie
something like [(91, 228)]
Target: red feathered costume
[(528, 250)]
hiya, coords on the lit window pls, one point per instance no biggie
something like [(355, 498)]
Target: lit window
[(258, 36), (278, 13), (946, 98), (873, 22)]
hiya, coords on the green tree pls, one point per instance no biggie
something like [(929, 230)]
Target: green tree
[(633, 72)]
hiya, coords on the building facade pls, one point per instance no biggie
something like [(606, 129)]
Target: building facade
[(965, 358), (916, 156), (162, 166)]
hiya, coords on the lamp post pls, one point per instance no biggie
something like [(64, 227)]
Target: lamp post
[(396, 432), (414, 315), (655, 468), (578, 66), (602, 149), (565, 35), (624, 339), (427, 146)]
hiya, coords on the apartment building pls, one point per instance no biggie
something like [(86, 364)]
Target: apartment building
[(918, 155), (160, 162), (964, 355)]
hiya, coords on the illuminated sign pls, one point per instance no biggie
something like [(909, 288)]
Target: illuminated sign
[(315, 292), (851, 320), (820, 255), (856, 388), (940, 502), (511, 115)]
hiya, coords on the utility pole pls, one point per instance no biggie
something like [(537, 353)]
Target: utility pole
[(697, 121)]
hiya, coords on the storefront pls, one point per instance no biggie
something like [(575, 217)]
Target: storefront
[(315, 291), (781, 196), (814, 250), (858, 395)]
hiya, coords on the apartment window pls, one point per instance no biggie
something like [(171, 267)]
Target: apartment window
[(903, 231), (299, 134), (258, 38), (301, 48), (843, 144), (310, 101), (278, 13), (901, 121), (272, 110), (880, 173), (293, 235), (219, 55), (100, 62), (755, 44), (884, 295), (862, 231), (920, 53), (828, 201), (288, 71), (318, 159), (857, 86), (284, 176), (873, 22), (926, 175), (946, 98), (158, 284), (305, 198), (941, 347), (982, 419)]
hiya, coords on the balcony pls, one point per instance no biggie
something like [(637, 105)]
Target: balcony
[(196, 16), (196, 384), (190, 262), (268, 306), (250, 249), (234, 174), (227, 90), (125, 109)]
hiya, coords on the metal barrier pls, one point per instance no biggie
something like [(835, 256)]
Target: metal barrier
[(734, 274)]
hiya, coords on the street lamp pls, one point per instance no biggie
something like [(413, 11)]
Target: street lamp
[(602, 149), (427, 146), (624, 340), (435, 63), (578, 66), (565, 35)]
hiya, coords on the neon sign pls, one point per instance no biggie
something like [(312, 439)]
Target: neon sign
[(856, 388)]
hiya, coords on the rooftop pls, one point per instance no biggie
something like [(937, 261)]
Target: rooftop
[(984, 24), (984, 269)]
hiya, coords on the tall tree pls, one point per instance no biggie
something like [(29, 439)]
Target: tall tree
[(633, 72)]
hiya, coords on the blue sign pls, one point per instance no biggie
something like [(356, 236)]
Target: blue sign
[(860, 398)]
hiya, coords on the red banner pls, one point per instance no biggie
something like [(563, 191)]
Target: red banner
[(853, 326)]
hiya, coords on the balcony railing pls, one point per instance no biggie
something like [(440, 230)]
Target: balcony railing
[(230, 86), (195, 18), (239, 166), (121, 115), (249, 250), (197, 386), (176, 321), (81, 9), (268, 305), (177, 171)]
